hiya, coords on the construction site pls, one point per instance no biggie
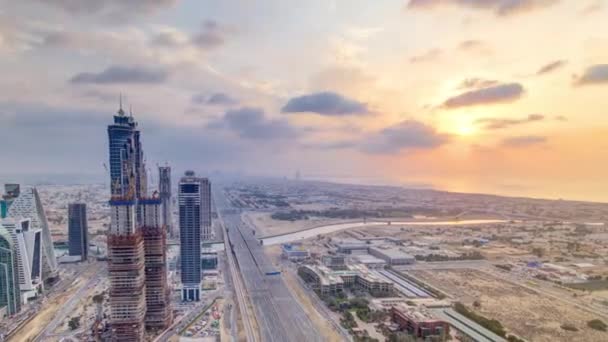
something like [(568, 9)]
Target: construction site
[(521, 308)]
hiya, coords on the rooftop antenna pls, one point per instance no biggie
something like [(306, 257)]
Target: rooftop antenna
[(130, 111), (120, 111)]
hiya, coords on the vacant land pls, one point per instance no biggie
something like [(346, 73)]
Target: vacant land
[(522, 311), (266, 226)]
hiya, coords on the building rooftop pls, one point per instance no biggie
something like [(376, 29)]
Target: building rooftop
[(393, 252)]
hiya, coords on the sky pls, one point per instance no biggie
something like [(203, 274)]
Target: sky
[(488, 96)]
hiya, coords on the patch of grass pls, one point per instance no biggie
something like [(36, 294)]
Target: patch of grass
[(597, 324), (490, 324)]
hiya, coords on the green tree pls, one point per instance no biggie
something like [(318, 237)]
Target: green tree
[(74, 323)]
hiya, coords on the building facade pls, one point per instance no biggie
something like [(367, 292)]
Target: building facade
[(10, 294), (164, 189), (207, 232), (192, 207), (158, 310), (78, 235), (27, 252), (11, 191), (419, 322), (29, 206)]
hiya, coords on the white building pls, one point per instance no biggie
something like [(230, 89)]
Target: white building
[(28, 252), (29, 206)]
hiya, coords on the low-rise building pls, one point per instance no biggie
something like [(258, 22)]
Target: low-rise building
[(418, 321), (334, 262), (295, 252), (328, 281), (393, 256), (370, 261)]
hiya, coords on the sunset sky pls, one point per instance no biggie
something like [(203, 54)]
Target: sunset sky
[(494, 96)]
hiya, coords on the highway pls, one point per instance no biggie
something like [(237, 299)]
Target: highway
[(244, 304), (279, 315), (69, 307)]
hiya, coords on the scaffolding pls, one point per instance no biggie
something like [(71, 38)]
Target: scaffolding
[(158, 313), (127, 286)]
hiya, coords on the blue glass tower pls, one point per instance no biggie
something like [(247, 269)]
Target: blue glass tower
[(190, 200), (77, 230), (121, 136)]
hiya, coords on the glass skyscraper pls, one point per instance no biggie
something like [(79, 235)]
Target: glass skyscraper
[(192, 205), (10, 294), (78, 237)]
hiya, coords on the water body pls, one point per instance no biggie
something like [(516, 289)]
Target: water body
[(309, 233)]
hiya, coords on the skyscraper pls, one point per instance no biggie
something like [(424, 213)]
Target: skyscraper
[(10, 295), (158, 310), (27, 248), (126, 258), (11, 191), (29, 206), (206, 233), (78, 235), (192, 206), (139, 295), (164, 188)]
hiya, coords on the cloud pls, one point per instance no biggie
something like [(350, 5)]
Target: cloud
[(170, 38), (506, 92), (551, 67), (593, 7), (595, 74), (495, 123), (251, 123), (325, 103), (215, 99), (470, 44), (408, 134), (524, 141), (499, 7), (120, 74), (212, 35), (109, 8), (476, 83), (561, 118), (428, 56)]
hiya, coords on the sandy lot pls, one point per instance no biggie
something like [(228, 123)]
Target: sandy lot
[(266, 226), (529, 314)]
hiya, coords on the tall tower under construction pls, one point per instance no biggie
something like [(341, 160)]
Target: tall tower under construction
[(164, 189), (134, 230), (158, 312)]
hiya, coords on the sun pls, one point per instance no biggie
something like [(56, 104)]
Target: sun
[(465, 128)]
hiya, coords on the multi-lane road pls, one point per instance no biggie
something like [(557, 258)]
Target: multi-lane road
[(278, 314)]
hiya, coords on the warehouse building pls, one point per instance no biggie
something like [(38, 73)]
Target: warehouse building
[(393, 256)]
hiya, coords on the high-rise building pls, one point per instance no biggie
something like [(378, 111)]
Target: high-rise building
[(164, 188), (192, 205), (158, 311), (139, 295), (10, 294), (27, 245), (11, 191), (78, 235), (126, 256), (29, 206), (207, 232)]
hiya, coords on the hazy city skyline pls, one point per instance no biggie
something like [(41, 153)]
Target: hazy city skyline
[(501, 97)]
